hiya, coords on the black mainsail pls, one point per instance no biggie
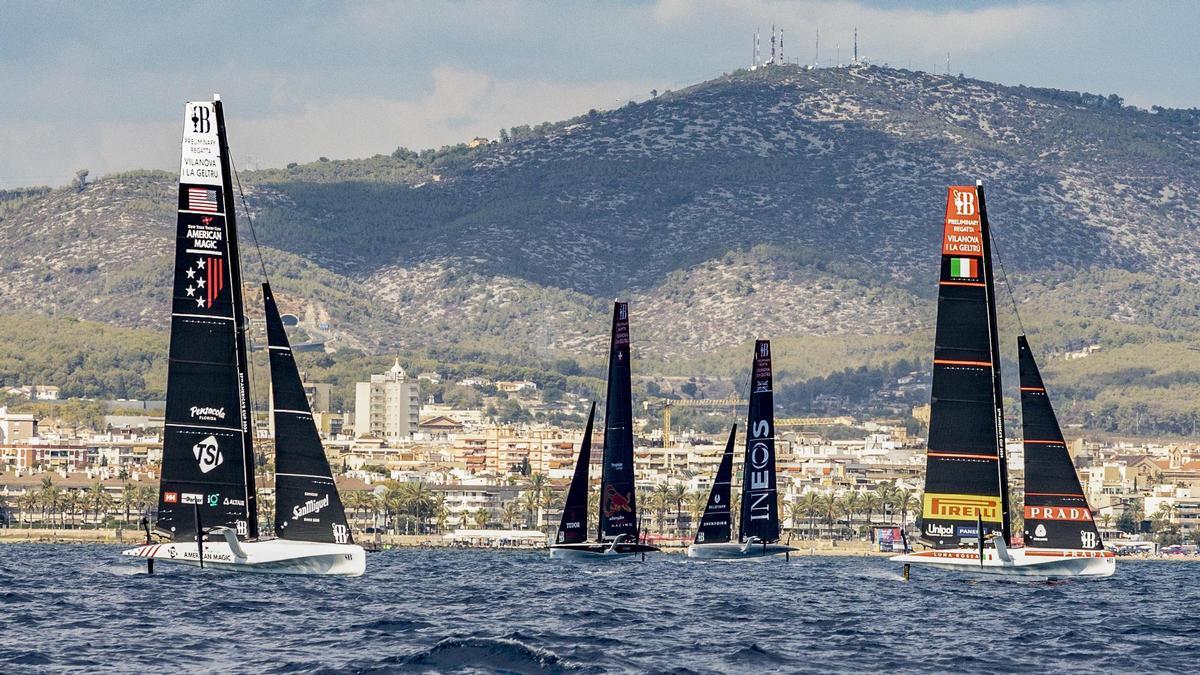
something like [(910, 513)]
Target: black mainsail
[(618, 505), (760, 508), (573, 528), (1056, 510), (208, 454), (966, 474), (715, 523), (307, 504)]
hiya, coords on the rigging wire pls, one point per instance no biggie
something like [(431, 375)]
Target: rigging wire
[(1007, 284), (254, 391)]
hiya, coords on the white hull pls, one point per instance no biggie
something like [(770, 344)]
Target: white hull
[(1020, 562), (735, 551), (594, 551), (273, 556)]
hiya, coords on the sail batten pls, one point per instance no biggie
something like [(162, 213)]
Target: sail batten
[(618, 501), (207, 453), (965, 477), (760, 506), (1057, 514), (307, 504)]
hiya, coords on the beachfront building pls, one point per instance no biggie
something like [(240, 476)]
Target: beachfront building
[(388, 406)]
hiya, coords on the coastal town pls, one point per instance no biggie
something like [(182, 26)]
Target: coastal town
[(414, 470)]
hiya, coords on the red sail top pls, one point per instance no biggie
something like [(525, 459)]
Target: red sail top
[(963, 234)]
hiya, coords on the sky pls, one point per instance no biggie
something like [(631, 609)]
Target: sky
[(102, 87)]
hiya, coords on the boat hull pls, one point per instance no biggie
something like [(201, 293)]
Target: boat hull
[(735, 551), (273, 556), (598, 551), (1022, 562)]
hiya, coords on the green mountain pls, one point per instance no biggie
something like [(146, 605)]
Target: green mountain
[(803, 205)]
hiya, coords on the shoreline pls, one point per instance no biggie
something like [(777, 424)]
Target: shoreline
[(805, 548)]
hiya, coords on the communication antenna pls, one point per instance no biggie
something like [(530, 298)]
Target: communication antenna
[(817, 50), (856, 45), (837, 50), (781, 59), (756, 38), (772, 61), (947, 63)]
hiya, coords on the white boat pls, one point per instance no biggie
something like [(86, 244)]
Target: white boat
[(207, 507), (618, 529), (269, 556), (966, 508), (758, 522), (1017, 562)]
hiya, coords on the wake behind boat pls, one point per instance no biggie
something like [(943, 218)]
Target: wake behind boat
[(965, 509), (619, 526), (207, 511), (758, 522)]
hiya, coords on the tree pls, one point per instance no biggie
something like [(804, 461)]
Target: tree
[(831, 508), (677, 493), (1126, 522), (80, 182), (481, 517)]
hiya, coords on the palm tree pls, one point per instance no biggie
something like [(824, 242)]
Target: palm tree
[(810, 502), (100, 501), (532, 501), (481, 517), (831, 508), (511, 510), (440, 512), (72, 501), (538, 485), (51, 495), (871, 503), (677, 493), (795, 514), (904, 502), (128, 498), (697, 501), (886, 492), (851, 502), (29, 503)]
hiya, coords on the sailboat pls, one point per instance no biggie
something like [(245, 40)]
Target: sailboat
[(758, 522), (618, 533), (966, 508), (207, 512)]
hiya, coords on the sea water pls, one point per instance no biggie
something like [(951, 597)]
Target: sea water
[(85, 608)]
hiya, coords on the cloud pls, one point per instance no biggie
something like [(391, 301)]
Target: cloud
[(462, 104)]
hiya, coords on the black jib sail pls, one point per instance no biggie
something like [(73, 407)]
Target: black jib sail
[(573, 528), (1056, 511), (208, 457), (966, 481), (715, 523), (618, 505), (307, 504), (760, 509)]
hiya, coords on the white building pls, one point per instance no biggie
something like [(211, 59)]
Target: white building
[(388, 406)]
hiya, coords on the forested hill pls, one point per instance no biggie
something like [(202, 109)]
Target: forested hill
[(777, 202)]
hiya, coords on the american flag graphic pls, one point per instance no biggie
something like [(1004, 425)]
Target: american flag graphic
[(202, 199), (205, 279)]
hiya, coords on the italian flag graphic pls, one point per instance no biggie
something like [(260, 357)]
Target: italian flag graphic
[(964, 268)]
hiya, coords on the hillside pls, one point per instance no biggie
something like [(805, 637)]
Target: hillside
[(781, 202)]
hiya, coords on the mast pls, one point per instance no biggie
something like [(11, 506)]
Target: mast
[(965, 481), (205, 475), (618, 505), (1057, 514), (573, 528), (997, 388), (714, 524), (760, 508), (239, 318), (307, 504)]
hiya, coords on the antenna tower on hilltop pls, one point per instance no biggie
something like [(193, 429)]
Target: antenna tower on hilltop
[(856, 45)]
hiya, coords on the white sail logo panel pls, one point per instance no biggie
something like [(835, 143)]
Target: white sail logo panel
[(201, 156)]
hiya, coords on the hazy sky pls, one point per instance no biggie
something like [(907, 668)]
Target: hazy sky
[(102, 86)]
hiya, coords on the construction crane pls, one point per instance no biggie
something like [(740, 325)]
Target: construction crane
[(843, 420), (666, 404)]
